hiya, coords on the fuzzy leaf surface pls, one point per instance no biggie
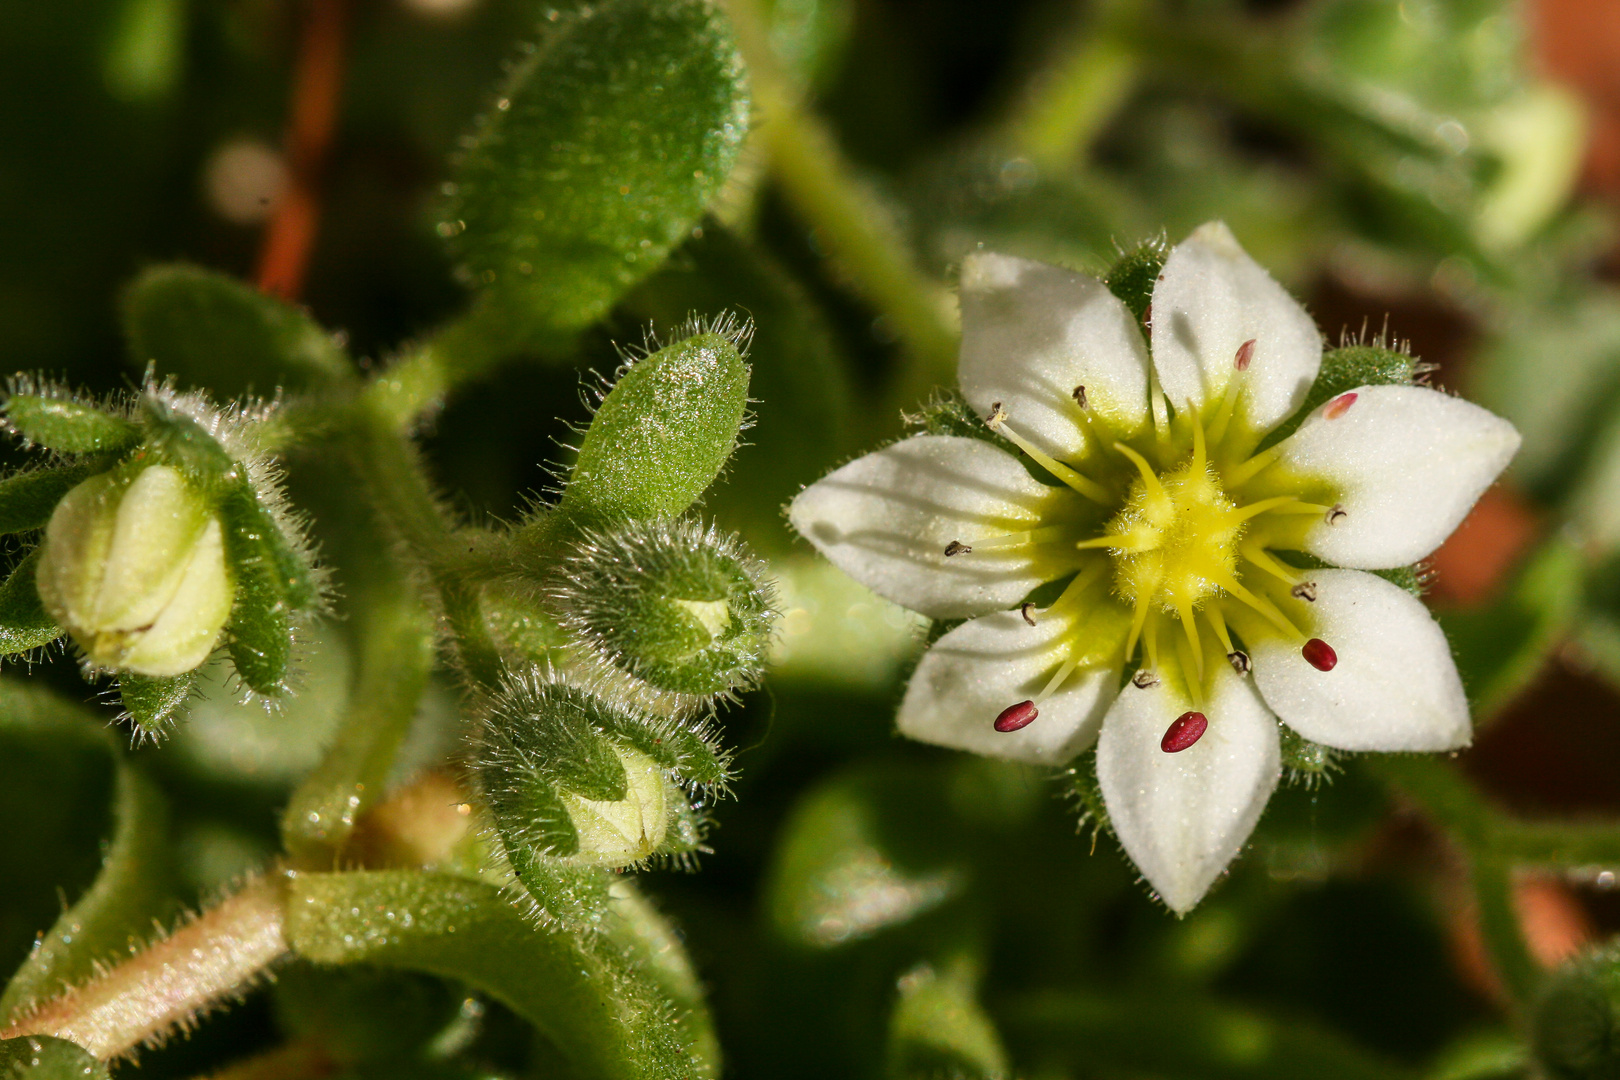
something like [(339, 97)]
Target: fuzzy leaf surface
[(68, 426), (154, 701), (40, 1057), (606, 1017), (24, 623), (604, 149), (28, 498)]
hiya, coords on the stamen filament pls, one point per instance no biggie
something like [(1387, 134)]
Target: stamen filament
[(1191, 659), (1260, 604), (1218, 622), (1189, 626), (1243, 473), (1223, 415), (1155, 489), (1088, 576), (1028, 538), (1138, 620), (1141, 538), (1200, 460), (1082, 484), (1057, 679), (1258, 556), (1150, 640), (1278, 505), (1303, 508)]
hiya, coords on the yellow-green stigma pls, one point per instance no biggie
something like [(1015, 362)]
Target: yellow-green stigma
[(1175, 541)]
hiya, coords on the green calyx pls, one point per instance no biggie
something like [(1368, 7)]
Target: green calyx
[(671, 604), (570, 777), (664, 432)]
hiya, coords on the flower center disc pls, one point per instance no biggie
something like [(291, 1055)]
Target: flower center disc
[(1177, 539)]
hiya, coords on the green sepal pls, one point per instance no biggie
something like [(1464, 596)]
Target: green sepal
[(153, 701), (605, 146), (1305, 762), (1086, 791), (215, 331), (662, 434), (1134, 274), (41, 1057), (260, 639), (24, 623), (68, 426), (179, 441), (692, 753), (28, 499), (1345, 369), (939, 1029)]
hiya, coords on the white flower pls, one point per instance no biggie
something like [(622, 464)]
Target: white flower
[(1180, 538)]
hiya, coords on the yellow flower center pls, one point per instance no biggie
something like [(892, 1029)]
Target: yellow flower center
[(1177, 539)]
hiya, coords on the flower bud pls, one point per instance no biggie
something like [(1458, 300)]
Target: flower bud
[(671, 604), (573, 778), (133, 565)]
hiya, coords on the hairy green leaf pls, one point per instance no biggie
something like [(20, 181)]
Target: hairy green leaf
[(24, 623), (153, 701), (214, 331), (28, 498), (607, 1017), (40, 1057), (68, 426), (603, 150)]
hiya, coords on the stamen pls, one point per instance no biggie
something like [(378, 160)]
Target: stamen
[(1189, 626), (1144, 679), (956, 547), (1212, 612), (1336, 515), (1319, 654), (1014, 717), (1257, 555), (1084, 579), (1057, 680), (1195, 687), (1260, 604), (1138, 621), (1339, 406), (1245, 354), (1080, 397), (1297, 507), (1187, 729), (1140, 538), (1200, 460), (1265, 506), (1082, 484), (1024, 610), (1305, 590), (1239, 661), (1027, 538), (1246, 471), (1150, 640)]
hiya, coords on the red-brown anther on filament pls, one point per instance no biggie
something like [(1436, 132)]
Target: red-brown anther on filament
[(1017, 716), (1245, 354), (1319, 654), (1339, 406), (1188, 728)]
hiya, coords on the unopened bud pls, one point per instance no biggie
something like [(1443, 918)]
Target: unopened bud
[(133, 565), (670, 604), (572, 778)]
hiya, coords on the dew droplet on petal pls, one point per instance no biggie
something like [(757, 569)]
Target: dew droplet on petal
[(1245, 354), (1339, 406), (1187, 729), (1319, 654), (1017, 716)]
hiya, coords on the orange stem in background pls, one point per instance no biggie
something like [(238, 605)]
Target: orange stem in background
[(317, 82)]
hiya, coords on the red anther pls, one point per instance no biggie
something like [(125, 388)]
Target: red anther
[(1017, 716), (1319, 654), (1245, 354), (1339, 406), (1188, 729)]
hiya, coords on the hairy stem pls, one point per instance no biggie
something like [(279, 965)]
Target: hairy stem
[(1068, 104), (165, 985)]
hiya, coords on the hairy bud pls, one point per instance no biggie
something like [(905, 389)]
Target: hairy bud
[(571, 778), (670, 604), (133, 566)]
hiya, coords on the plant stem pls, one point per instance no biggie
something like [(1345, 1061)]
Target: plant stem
[(1459, 809), (856, 228), (168, 983), (1068, 105)]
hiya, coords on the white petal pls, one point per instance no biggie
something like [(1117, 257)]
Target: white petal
[(1031, 333), (1405, 462), (1395, 686), (1183, 817), (886, 518), (974, 672), (1210, 300)]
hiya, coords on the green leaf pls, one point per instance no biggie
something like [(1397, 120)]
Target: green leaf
[(27, 499), (40, 1057), (662, 434), (604, 148), (68, 426), (119, 908), (214, 331), (24, 624), (938, 1029), (153, 701), (609, 1019), (860, 854)]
